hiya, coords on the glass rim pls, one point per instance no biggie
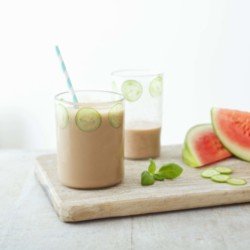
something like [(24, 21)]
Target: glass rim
[(136, 73), (120, 99)]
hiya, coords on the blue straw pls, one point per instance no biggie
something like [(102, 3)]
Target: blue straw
[(70, 86)]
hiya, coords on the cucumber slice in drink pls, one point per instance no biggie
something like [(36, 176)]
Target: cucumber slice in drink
[(88, 119), (155, 87), (132, 90), (220, 178), (62, 116), (115, 115), (224, 170), (208, 173), (236, 181)]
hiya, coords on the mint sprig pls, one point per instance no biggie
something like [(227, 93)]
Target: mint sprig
[(166, 171), (152, 166), (171, 170), (147, 179), (159, 177)]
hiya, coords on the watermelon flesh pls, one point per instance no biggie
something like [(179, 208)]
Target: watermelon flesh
[(202, 147), (233, 129)]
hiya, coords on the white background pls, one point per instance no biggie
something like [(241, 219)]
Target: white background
[(203, 46)]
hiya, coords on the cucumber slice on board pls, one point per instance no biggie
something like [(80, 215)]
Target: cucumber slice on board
[(88, 119), (62, 116), (220, 178), (115, 115), (132, 90), (155, 87), (208, 173), (224, 170), (236, 181)]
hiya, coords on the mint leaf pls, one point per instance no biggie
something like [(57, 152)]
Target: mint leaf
[(147, 179), (159, 177), (152, 167), (170, 171)]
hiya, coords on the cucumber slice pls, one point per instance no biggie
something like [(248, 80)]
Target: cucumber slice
[(88, 119), (116, 116), (208, 173), (220, 178), (236, 181), (224, 170), (155, 87), (62, 116), (132, 90)]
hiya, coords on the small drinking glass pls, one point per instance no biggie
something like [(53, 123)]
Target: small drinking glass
[(142, 90), (90, 139)]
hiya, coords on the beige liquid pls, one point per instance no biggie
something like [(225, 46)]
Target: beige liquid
[(90, 159), (142, 140)]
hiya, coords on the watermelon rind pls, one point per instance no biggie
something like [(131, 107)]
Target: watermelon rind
[(188, 158), (241, 152), (188, 153)]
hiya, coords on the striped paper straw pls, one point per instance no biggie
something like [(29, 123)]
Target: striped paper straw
[(70, 86)]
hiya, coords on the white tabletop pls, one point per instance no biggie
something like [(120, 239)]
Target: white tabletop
[(28, 221)]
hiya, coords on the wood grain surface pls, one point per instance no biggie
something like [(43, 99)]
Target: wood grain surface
[(130, 198)]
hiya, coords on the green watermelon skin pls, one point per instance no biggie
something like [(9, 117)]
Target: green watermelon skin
[(233, 129), (202, 147), (188, 158)]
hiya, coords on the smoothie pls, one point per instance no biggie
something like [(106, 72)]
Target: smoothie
[(90, 146), (142, 140), (143, 92)]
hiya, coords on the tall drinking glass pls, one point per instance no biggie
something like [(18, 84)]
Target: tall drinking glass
[(90, 139), (142, 90)]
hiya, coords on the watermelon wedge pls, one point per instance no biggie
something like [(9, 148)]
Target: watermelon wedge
[(202, 147), (233, 129)]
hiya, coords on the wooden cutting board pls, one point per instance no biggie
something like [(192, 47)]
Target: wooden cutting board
[(130, 198)]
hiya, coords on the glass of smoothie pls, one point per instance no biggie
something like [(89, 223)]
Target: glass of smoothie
[(142, 90), (90, 139)]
